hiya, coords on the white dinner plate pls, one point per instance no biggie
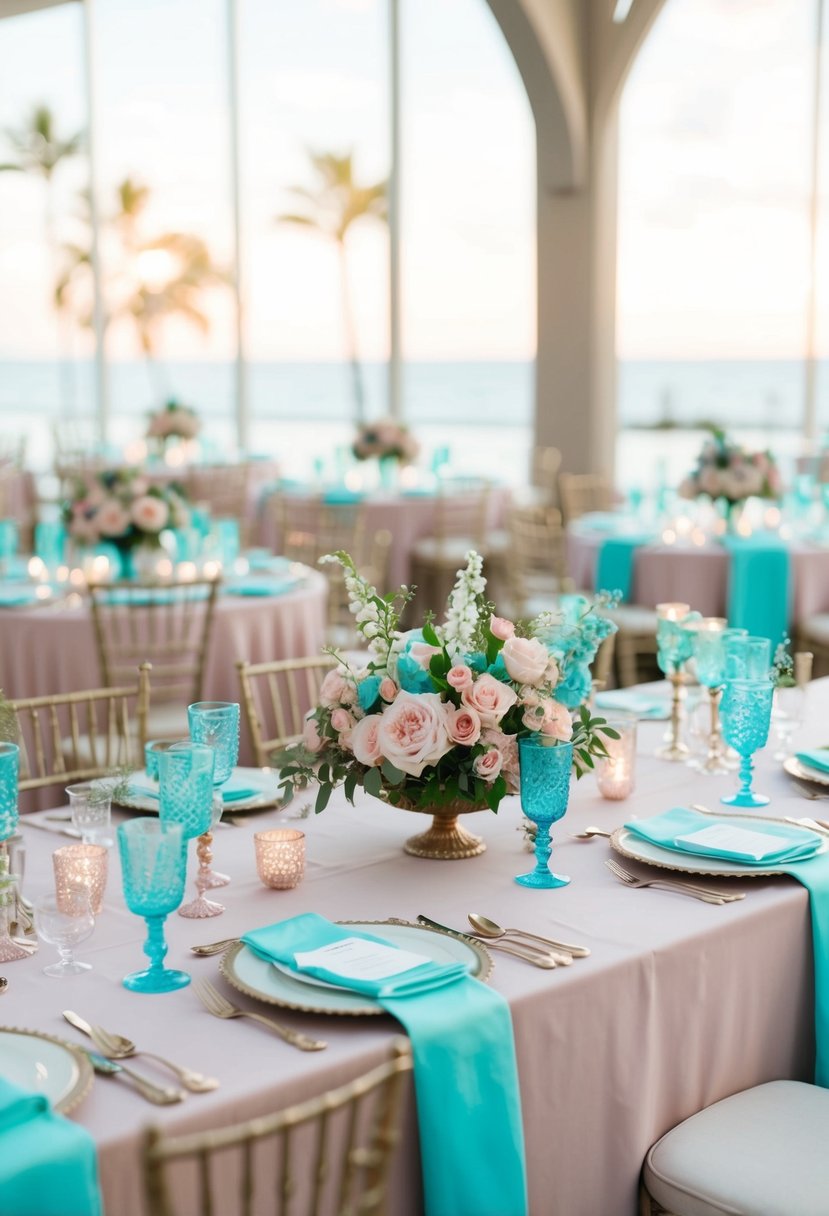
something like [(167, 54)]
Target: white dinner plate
[(634, 847), (264, 781), (260, 979), (43, 1064), (804, 772)]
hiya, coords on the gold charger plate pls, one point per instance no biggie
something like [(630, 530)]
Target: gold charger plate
[(260, 979), (637, 849), (265, 782), (804, 772), (45, 1064)]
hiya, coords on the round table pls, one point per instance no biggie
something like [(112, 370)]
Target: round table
[(696, 574)]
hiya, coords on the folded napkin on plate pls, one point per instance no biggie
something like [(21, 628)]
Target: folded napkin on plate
[(260, 586), (234, 791), (819, 758), (47, 1164), (749, 841), (466, 1082), (635, 702)]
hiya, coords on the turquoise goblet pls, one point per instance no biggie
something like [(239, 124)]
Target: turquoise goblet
[(746, 714), (153, 867), (216, 723), (545, 790), (710, 638), (9, 768), (185, 796)]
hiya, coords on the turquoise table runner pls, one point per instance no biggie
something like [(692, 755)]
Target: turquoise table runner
[(758, 585), (812, 872), (466, 1082), (48, 1165), (614, 566)]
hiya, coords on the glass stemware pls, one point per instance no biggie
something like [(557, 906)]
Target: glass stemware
[(10, 951), (746, 714), (153, 867), (545, 790), (64, 920), (185, 796), (710, 640), (216, 723), (674, 646)]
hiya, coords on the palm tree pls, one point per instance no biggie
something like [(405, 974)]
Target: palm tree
[(330, 208), (39, 150)]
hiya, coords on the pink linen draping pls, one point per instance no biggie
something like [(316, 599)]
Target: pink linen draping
[(698, 575), (18, 494), (408, 518), (679, 1004)]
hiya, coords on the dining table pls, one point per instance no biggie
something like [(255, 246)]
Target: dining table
[(679, 1003)]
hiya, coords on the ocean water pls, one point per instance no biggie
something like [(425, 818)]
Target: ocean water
[(481, 411)]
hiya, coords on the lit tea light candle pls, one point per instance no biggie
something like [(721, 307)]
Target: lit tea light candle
[(212, 569), (62, 574), (669, 536), (280, 857), (354, 479), (81, 865), (77, 577), (672, 611), (37, 568), (772, 517), (187, 571), (164, 568), (615, 773)]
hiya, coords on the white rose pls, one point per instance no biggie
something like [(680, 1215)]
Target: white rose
[(525, 659)]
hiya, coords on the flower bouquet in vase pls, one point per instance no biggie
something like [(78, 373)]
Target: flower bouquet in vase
[(432, 722), (729, 474), (173, 422)]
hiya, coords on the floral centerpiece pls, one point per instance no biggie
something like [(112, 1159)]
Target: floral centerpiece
[(432, 721), (173, 421), (385, 439), (728, 471), (123, 508)]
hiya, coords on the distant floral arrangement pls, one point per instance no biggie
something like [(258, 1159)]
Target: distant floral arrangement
[(173, 421), (124, 508), (726, 470), (435, 716), (385, 438)]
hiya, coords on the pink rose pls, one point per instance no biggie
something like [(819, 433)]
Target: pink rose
[(341, 720), (422, 654), (489, 698), (149, 513), (488, 764), (525, 659), (412, 732), (336, 690), (501, 628), (551, 718), (460, 676), (388, 689), (364, 742), (552, 673), (462, 725), (507, 746), (112, 519), (311, 736)]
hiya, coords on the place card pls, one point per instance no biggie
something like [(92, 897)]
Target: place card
[(724, 838), (354, 958)]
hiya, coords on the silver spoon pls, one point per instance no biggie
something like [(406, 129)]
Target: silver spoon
[(589, 833), (4, 983), (489, 928)]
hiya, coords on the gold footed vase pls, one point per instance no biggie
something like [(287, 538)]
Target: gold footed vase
[(445, 840)]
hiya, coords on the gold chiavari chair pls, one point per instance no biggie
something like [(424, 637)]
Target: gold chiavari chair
[(167, 624), (460, 524), (545, 463), (579, 493), (535, 562), (330, 1154), (276, 697), (225, 489), (78, 736)]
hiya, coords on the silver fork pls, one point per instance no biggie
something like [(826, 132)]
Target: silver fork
[(221, 1007), (706, 894)]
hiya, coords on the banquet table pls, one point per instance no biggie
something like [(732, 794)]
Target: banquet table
[(679, 1004), (408, 517), (697, 574)]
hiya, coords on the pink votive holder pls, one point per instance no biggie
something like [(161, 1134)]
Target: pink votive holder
[(280, 857), (81, 865), (616, 772)]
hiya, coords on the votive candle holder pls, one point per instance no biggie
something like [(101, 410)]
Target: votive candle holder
[(280, 857), (616, 772), (80, 865)]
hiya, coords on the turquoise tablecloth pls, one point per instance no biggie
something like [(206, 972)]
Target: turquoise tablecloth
[(759, 585), (614, 566)]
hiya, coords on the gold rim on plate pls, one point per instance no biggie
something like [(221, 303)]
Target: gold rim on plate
[(261, 801), (86, 1073), (370, 1010), (803, 772)]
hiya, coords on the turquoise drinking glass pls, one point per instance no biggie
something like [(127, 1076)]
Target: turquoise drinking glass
[(185, 796), (153, 868), (746, 714), (9, 770), (216, 723), (545, 790), (747, 657)]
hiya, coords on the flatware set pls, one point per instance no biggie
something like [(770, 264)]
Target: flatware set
[(220, 1007), (708, 895)]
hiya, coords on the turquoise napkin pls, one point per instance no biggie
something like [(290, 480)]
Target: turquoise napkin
[(466, 1083), (759, 585), (16, 597), (343, 495), (634, 702), (815, 759), (614, 566), (260, 586), (234, 791), (663, 830), (47, 1164)]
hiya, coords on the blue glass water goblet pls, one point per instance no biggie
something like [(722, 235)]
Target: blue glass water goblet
[(709, 658), (674, 646), (746, 714), (10, 951), (545, 790), (153, 867), (185, 796), (746, 657), (216, 723)]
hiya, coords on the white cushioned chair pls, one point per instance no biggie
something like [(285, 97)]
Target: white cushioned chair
[(762, 1152)]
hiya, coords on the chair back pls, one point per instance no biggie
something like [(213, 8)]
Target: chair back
[(225, 489), (329, 1154), (579, 493), (545, 463), (461, 511), (78, 736), (166, 624), (536, 564), (310, 527), (276, 696)]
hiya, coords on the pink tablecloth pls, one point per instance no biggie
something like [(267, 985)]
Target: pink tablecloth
[(408, 518), (680, 1003), (698, 575)]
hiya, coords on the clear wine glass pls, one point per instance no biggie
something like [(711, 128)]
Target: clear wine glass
[(65, 921), (786, 717)]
